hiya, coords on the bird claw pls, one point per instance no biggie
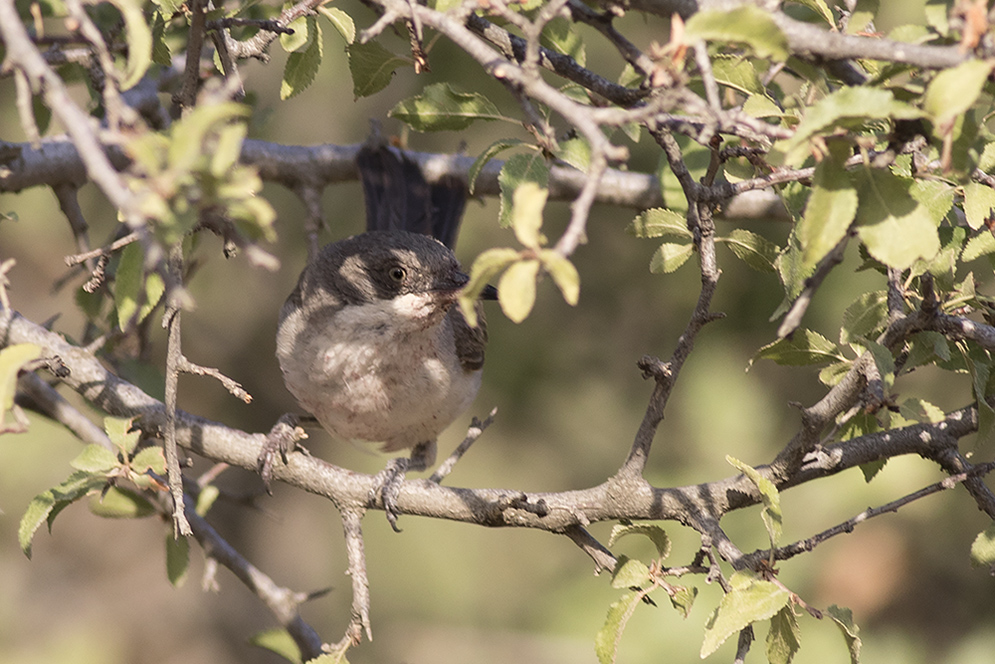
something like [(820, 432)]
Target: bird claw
[(283, 439), (387, 483)]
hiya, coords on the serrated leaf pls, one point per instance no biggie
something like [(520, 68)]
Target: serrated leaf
[(489, 153), (607, 639), (822, 9), (658, 222), (441, 107), (302, 34), (630, 573), (669, 257), (655, 534), (953, 91), (177, 559), (747, 25), (805, 347), (517, 289), (302, 66), (372, 66), (896, 229), (518, 169), (829, 212), (865, 315), (737, 73), (683, 599), (279, 641), (150, 458), (749, 601), (95, 459), (983, 548), (119, 503), (850, 107), (783, 637), (129, 282), (920, 410), (981, 245), (564, 274), (833, 373), (771, 515), (979, 200), (576, 152), (872, 468), (12, 358), (528, 202), (139, 36), (119, 430), (342, 22), (762, 106), (161, 54), (844, 620), (755, 250), (560, 34), (46, 505), (487, 266)]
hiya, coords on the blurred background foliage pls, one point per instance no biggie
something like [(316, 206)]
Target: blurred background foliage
[(569, 400)]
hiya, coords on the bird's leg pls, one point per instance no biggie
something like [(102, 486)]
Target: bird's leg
[(284, 438), (388, 481)]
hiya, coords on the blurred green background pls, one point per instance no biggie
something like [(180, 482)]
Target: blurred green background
[(570, 399)]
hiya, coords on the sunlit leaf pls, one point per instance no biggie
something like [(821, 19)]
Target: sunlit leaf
[(517, 289), (749, 601), (441, 107), (746, 25)]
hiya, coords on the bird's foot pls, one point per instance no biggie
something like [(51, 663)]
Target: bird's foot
[(388, 481), (283, 438)]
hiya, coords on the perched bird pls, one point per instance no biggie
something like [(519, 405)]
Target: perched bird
[(370, 341)]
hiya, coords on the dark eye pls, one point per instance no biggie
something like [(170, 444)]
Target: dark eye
[(398, 273)]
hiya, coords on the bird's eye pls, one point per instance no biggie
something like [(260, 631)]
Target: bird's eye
[(398, 274)]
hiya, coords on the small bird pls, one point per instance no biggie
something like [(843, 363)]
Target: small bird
[(370, 342)]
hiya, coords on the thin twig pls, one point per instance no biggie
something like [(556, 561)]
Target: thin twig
[(473, 433)]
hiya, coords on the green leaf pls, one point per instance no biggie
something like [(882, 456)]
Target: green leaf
[(119, 430), (150, 458), (302, 66), (805, 347), (517, 289), (564, 274), (762, 106), (441, 107), (343, 23), (139, 35), (528, 202), (655, 534), (372, 66), (747, 25), (560, 34), (279, 641), (95, 459), (487, 266), (301, 36), (979, 200), (658, 222), (206, 498), (630, 573), (607, 639), (755, 250), (920, 410), (736, 72), (953, 91), (575, 152), (865, 315), (129, 284), (783, 638), (844, 620), (518, 169), (669, 257), (830, 209), (160, 49), (683, 599), (896, 229), (771, 515), (485, 156), (46, 505), (850, 108), (822, 9), (177, 559), (12, 358), (749, 601), (872, 468), (118, 503), (883, 360), (983, 548), (833, 373), (981, 245)]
